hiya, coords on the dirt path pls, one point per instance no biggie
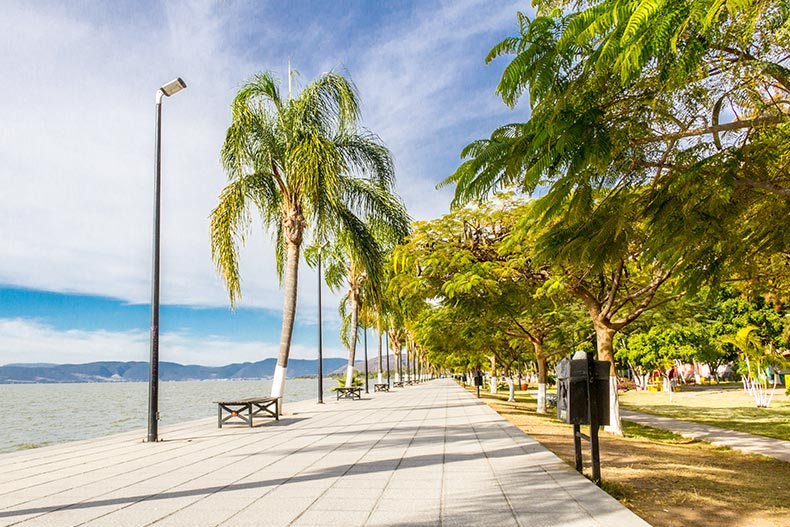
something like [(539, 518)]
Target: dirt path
[(669, 480)]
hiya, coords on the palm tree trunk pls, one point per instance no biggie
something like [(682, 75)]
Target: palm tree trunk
[(289, 314), (352, 349)]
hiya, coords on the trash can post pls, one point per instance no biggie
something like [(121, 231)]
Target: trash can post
[(592, 405)]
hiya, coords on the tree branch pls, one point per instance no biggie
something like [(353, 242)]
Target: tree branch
[(783, 192), (745, 55), (618, 274), (735, 125), (620, 324), (529, 335), (592, 304), (652, 287)]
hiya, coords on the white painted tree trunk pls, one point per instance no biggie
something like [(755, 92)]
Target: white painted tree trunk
[(278, 383), (605, 337), (380, 378), (492, 384), (352, 348), (668, 387), (349, 375), (511, 388), (616, 426), (541, 397), (773, 390)]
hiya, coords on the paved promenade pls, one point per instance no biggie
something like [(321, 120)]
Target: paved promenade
[(749, 443), (427, 455)]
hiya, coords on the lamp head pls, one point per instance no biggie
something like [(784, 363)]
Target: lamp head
[(174, 86)]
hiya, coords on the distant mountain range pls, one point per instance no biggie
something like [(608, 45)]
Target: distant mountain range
[(110, 371)]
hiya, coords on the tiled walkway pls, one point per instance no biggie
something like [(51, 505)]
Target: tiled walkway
[(422, 455)]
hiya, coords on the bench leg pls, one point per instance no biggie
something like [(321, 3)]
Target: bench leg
[(219, 416), (249, 413)]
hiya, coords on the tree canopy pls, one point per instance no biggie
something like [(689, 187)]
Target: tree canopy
[(686, 104)]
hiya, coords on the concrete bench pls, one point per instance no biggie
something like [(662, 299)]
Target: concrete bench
[(381, 387), (245, 409), (355, 392)]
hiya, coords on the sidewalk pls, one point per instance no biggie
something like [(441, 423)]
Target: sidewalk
[(426, 455), (749, 443)]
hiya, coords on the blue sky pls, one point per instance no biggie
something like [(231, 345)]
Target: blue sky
[(77, 102)]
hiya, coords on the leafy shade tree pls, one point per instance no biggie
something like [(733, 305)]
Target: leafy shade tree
[(673, 113), (655, 351), (303, 163), (687, 103), (593, 249), (463, 263), (725, 313)]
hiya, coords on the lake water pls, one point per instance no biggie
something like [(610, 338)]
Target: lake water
[(34, 415)]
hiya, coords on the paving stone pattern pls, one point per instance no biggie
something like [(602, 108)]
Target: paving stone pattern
[(425, 455)]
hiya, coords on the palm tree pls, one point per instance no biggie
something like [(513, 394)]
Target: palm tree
[(755, 353), (362, 271), (306, 165), (349, 311)]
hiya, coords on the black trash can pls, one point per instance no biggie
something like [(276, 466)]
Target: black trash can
[(572, 392)]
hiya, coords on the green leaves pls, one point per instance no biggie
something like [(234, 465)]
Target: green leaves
[(304, 164), (621, 135)]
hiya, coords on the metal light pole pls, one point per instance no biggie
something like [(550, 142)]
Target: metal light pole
[(167, 90), (400, 366), (387, 343), (320, 335), (366, 359), (408, 361)]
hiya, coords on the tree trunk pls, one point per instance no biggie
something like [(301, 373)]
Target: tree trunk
[(396, 353), (493, 384), (605, 338), (542, 376), (289, 314), (352, 348), (511, 389)]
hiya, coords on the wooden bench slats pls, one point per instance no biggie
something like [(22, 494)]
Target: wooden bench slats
[(252, 406), (355, 392)]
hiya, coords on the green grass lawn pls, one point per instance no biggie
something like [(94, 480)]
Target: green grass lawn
[(725, 406)]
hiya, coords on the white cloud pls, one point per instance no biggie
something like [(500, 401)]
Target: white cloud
[(77, 101), (30, 341)]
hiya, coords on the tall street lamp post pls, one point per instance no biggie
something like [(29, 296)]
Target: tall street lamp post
[(387, 344), (320, 335), (167, 90), (366, 360)]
